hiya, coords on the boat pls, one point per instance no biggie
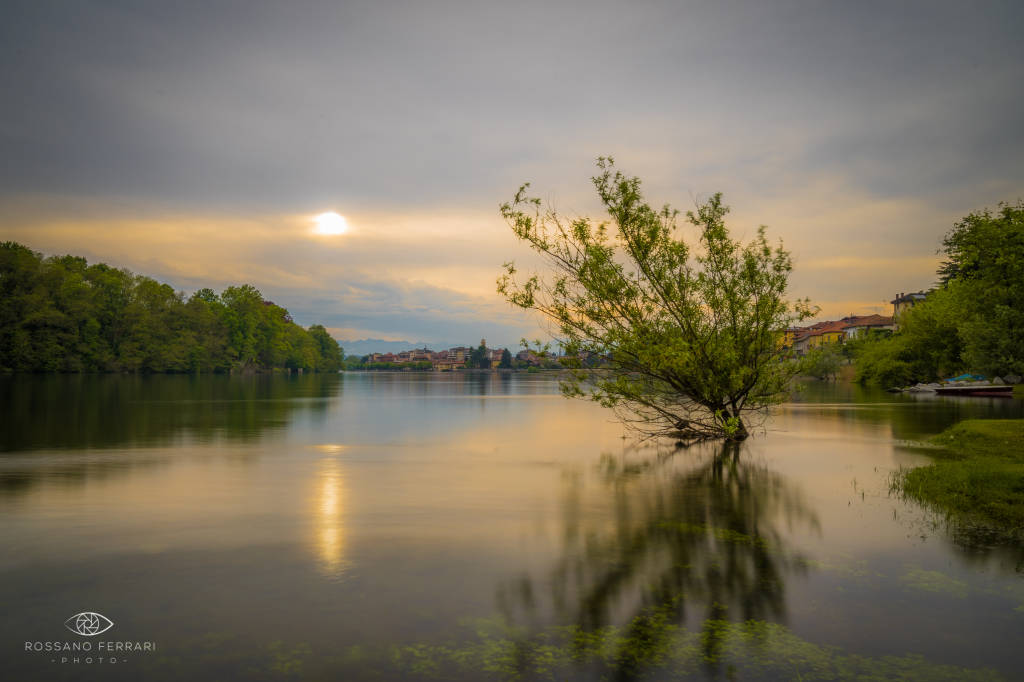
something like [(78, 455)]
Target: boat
[(996, 390)]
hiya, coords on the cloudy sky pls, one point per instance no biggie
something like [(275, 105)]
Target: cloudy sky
[(195, 141)]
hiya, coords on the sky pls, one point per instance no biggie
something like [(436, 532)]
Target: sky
[(194, 142)]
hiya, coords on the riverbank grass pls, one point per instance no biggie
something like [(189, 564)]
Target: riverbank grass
[(978, 475)]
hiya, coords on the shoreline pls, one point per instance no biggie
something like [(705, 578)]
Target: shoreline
[(977, 478)]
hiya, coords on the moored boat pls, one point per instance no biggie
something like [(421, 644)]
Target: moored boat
[(997, 390)]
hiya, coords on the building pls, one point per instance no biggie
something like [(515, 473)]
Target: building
[(451, 359), (494, 355), (905, 302), (788, 337), (528, 356), (803, 339), (421, 354), (858, 325), (819, 334)]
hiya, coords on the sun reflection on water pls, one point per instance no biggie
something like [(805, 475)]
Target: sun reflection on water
[(329, 508), (329, 448)]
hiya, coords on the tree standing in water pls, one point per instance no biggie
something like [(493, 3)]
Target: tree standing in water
[(692, 339)]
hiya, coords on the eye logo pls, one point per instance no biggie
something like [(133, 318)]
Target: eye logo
[(88, 623)]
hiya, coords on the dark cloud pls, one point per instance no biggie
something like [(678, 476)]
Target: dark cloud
[(286, 104)]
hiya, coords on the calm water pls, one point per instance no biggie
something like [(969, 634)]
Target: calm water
[(385, 526)]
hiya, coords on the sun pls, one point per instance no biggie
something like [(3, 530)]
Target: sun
[(330, 223)]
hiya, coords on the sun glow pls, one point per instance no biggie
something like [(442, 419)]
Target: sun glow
[(330, 223)]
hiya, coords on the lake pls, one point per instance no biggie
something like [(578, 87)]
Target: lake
[(479, 526)]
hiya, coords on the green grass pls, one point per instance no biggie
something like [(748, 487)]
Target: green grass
[(654, 647), (978, 476)]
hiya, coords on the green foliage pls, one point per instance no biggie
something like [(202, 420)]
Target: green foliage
[(989, 253), (980, 477), (478, 358), (934, 581), (649, 647), (928, 346), (931, 331), (653, 647), (887, 362), (330, 354), (62, 314), (506, 359), (975, 321), (822, 362), (986, 247), (288, 662), (690, 336)]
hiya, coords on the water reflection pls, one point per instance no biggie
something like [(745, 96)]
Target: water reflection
[(329, 507), (92, 419), (696, 537), (827, 405), (329, 448), (374, 528), (103, 411)]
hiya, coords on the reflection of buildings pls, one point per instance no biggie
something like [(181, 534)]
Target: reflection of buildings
[(329, 500)]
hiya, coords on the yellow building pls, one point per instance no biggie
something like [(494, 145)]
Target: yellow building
[(818, 335), (788, 337), (824, 337)]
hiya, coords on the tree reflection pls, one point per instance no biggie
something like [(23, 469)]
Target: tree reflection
[(700, 543), (90, 412), (98, 411)]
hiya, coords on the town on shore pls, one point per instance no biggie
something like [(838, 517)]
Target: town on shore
[(457, 358), (801, 340)]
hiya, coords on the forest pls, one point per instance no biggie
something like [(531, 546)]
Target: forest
[(60, 314)]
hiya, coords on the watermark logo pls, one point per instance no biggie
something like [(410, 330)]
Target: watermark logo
[(88, 623), (89, 651)]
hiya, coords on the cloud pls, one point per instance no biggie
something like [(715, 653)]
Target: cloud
[(415, 105), (192, 141), (389, 277)]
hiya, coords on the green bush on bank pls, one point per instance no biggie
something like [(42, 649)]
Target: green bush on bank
[(888, 362), (823, 362), (978, 476)]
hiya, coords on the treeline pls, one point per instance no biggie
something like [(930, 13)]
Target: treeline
[(60, 314), (973, 321)]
